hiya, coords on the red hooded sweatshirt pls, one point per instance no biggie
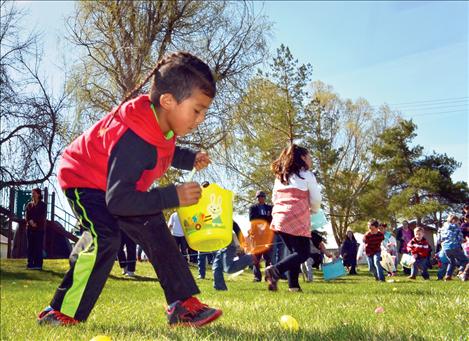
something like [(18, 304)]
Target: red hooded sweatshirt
[(84, 162)]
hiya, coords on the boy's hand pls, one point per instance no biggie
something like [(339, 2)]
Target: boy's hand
[(188, 193), (202, 160)]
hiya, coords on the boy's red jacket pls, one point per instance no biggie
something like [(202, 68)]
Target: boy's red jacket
[(420, 248), (122, 156)]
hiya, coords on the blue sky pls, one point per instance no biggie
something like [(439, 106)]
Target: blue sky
[(414, 53), (389, 52)]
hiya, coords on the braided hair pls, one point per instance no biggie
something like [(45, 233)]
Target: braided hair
[(179, 74), (289, 162)]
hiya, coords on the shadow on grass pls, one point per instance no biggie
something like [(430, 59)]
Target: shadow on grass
[(46, 275), (219, 331), (36, 275), (137, 278)]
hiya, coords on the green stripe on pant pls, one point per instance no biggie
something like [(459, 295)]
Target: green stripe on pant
[(83, 266), (83, 283)]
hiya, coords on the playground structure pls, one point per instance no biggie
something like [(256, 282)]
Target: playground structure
[(59, 229)]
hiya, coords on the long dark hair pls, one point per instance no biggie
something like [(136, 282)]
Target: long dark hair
[(351, 239), (289, 162), (179, 74), (38, 191)]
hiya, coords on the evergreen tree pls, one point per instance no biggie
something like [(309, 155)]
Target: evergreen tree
[(413, 185)]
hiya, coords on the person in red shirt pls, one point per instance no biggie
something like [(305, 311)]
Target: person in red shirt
[(106, 174), (420, 250), (372, 240)]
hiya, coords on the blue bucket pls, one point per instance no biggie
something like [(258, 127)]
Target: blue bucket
[(333, 270)]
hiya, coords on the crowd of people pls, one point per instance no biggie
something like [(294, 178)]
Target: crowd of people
[(410, 248), (382, 250)]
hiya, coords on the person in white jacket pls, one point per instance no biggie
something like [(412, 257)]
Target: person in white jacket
[(388, 249)]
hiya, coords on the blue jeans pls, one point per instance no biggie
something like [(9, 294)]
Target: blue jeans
[(422, 264), (374, 266), (279, 252), (202, 258), (226, 261), (442, 271), (455, 257)]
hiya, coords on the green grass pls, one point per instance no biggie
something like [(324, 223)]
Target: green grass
[(339, 310)]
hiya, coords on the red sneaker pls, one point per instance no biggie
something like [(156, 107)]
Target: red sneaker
[(192, 313), (55, 318)]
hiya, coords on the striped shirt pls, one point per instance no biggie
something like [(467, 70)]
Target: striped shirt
[(420, 248), (372, 242)]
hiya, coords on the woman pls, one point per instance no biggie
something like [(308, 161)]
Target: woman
[(348, 251), (36, 212)]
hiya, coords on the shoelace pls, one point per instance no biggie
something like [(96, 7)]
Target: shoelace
[(193, 305)]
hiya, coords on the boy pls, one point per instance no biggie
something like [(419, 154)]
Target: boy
[(451, 239), (372, 240), (420, 250), (106, 174)]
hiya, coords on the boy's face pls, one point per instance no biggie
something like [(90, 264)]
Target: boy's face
[(184, 117), (419, 235), (373, 229)]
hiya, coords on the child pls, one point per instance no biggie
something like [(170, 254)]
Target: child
[(226, 260), (420, 250), (403, 236), (443, 263), (318, 250), (295, 195), (451, 239), (389, 245), (106, 173), (372, 240)]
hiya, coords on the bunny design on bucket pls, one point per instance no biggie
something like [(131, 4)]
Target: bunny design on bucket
[(214, 208)]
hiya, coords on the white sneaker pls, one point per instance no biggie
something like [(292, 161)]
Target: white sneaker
[(236, 274), (130, 274), (124, 270)]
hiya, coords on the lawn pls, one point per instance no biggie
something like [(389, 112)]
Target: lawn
[(132, 309)]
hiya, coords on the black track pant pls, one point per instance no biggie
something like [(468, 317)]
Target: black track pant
[(83, 283), (299, 248)]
